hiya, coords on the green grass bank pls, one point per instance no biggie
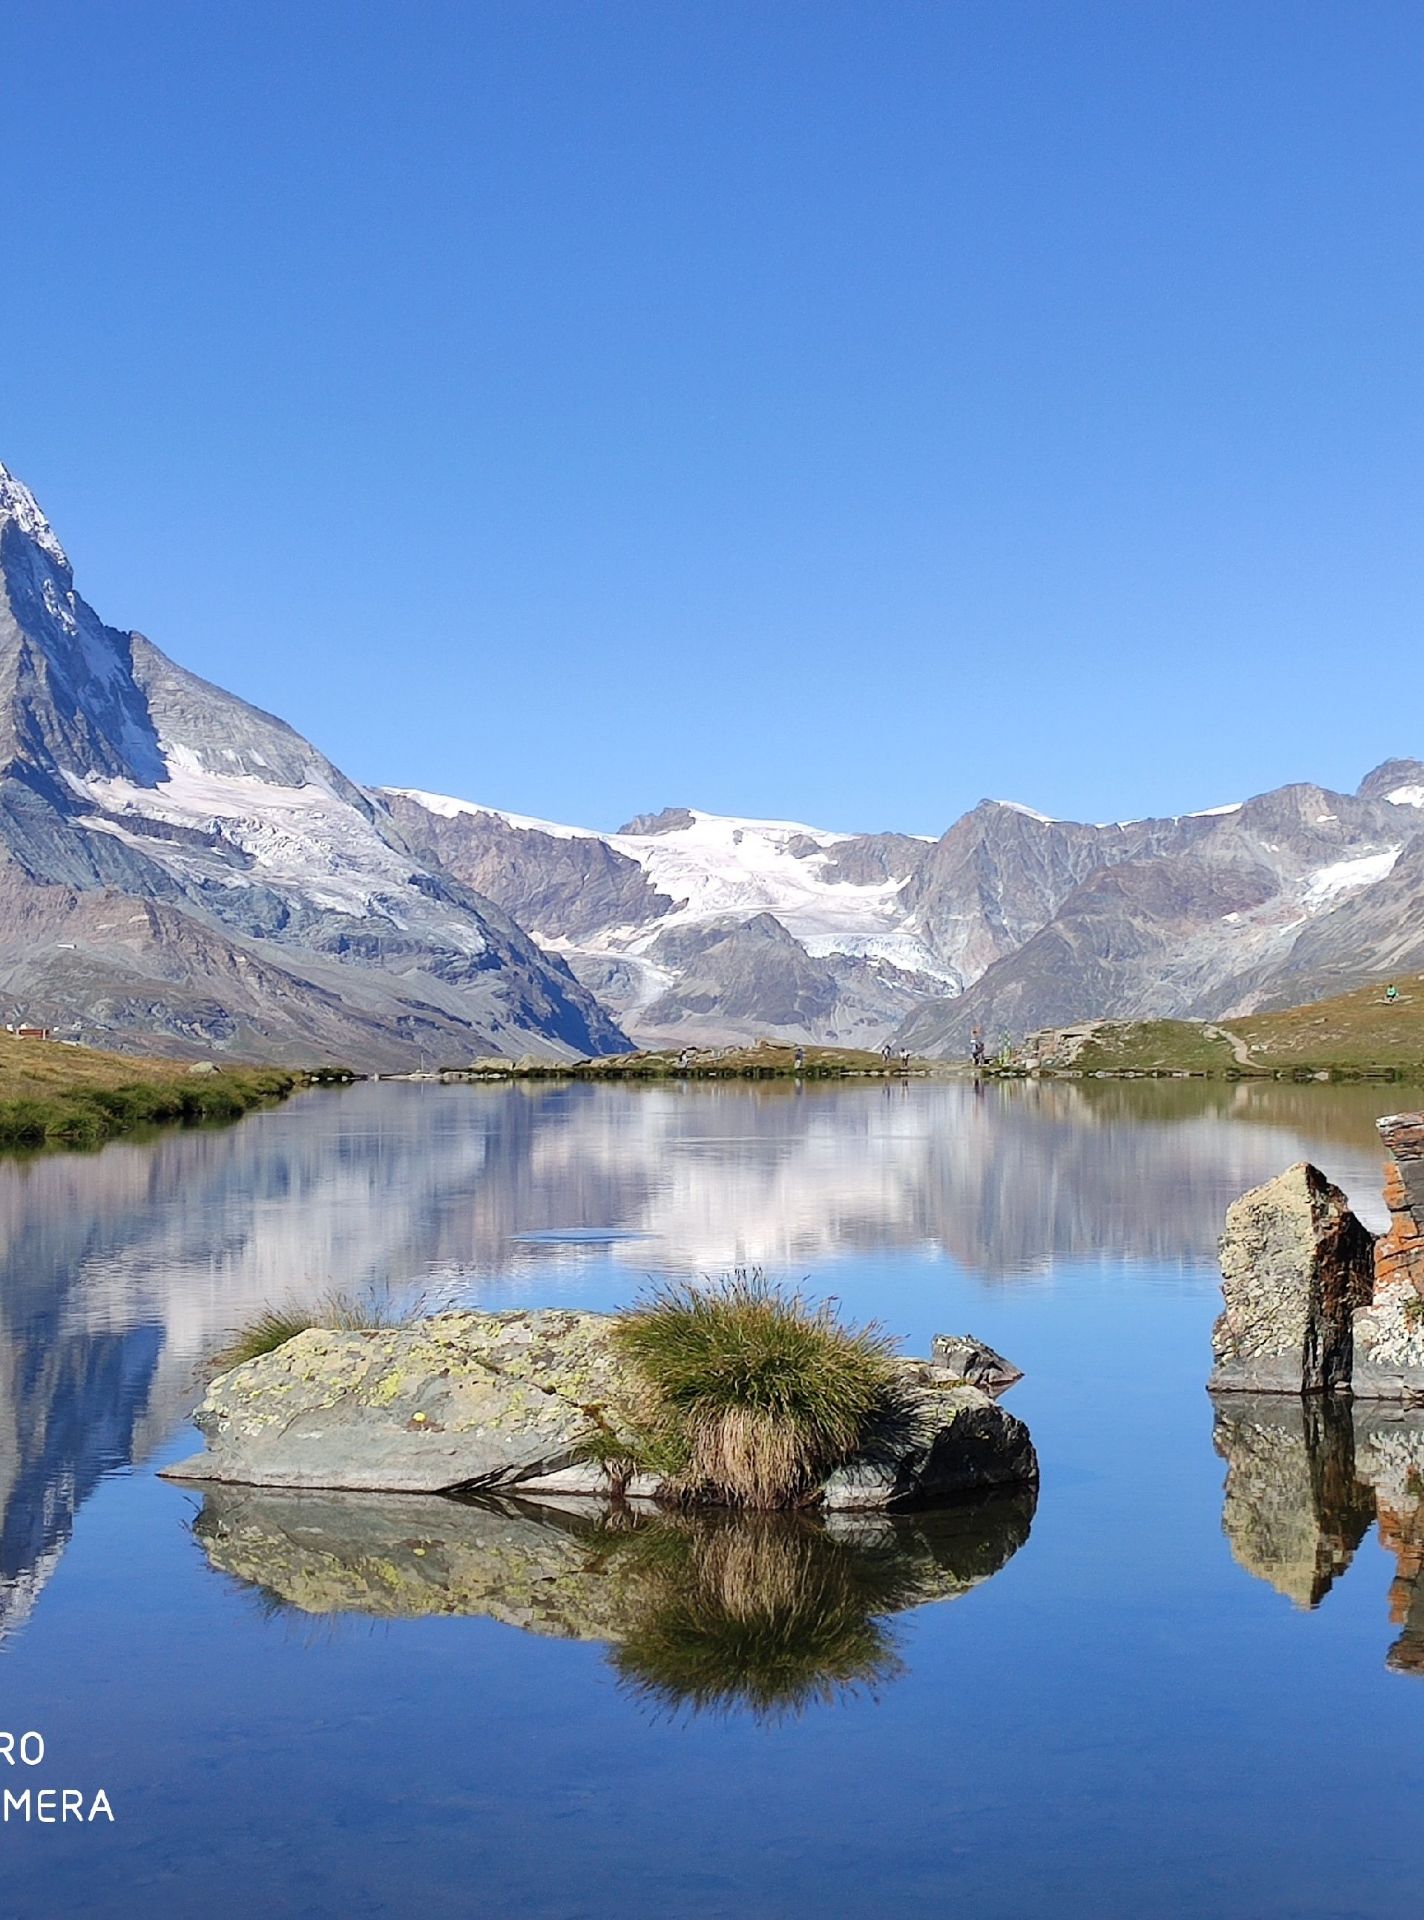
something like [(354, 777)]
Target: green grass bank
[(59, 1096)]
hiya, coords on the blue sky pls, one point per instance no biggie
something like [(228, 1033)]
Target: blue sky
[(829, 411)]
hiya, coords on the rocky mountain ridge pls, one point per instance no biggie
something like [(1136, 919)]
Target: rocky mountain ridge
[(182, 870), (696, 928)]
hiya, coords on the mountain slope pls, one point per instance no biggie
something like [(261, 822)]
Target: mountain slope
[(1223, 918), (288, 913), (692, 927)]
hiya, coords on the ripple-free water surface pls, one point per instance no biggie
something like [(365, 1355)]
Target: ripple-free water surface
[(1118, 1708)]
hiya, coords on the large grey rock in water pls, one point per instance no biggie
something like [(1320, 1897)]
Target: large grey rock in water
[(1295, 1265), (498, 1401), (461, 1400)]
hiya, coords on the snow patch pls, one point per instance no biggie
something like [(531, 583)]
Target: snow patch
[(451, 809), (1344, 876), (304, 841), (1406, 797), (1215, 813), (1030, 813)]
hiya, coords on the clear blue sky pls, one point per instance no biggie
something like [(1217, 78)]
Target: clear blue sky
[(807, 409)]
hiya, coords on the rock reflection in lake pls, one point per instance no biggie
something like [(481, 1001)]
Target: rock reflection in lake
[(1306, 1477), (769, 1613)]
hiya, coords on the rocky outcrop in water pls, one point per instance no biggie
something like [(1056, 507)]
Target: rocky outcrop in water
[(509, 1401), (1313, 1301), (1295, 1265), (1389, 1333)]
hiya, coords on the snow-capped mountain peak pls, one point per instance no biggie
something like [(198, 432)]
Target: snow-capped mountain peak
[(17, 503), (284, 915)]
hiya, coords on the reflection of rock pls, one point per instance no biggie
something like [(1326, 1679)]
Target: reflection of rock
[(766, 1611), (1304, 1479), (400, 1558), (1295, 1264), (1390, 1446), (1294, 1509), (502, 1400)]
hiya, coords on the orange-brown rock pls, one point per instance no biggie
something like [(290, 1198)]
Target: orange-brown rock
[(1399, 1253)]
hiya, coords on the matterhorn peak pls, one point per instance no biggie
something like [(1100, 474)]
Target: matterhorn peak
[(17, 503)]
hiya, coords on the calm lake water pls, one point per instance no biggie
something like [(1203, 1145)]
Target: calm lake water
[(1159, 1693)]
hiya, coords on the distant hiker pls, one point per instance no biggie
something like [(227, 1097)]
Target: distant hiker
[(1391, 993), (904, 1059), (800, 1058), (683, 1060), (885, 1053), (976, 1047)]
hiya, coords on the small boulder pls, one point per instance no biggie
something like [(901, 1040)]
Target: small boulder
[(942, 1443), (1296, 1265), (966, 1358)]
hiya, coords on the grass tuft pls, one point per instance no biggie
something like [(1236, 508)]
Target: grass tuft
[(753, 1395), (334, 1312)]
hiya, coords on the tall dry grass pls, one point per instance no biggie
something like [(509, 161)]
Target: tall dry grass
[(753, 1394)]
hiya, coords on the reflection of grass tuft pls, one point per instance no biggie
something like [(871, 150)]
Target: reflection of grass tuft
[(753, 1395), (765, 1612)]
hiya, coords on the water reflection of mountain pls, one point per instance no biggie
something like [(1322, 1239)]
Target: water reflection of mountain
[(119, 1271), (769, 1612), (1305, 1479)]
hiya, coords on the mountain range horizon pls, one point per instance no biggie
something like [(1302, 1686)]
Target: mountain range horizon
[(182, 872)]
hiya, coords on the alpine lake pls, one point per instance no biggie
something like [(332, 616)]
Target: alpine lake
[(1187, 1680)]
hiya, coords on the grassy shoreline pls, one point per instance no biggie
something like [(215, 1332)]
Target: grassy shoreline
[(767, 1060), (59, 1096), (1362, 1035)]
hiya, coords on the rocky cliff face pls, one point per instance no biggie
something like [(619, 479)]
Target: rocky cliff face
[(184, 869)]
